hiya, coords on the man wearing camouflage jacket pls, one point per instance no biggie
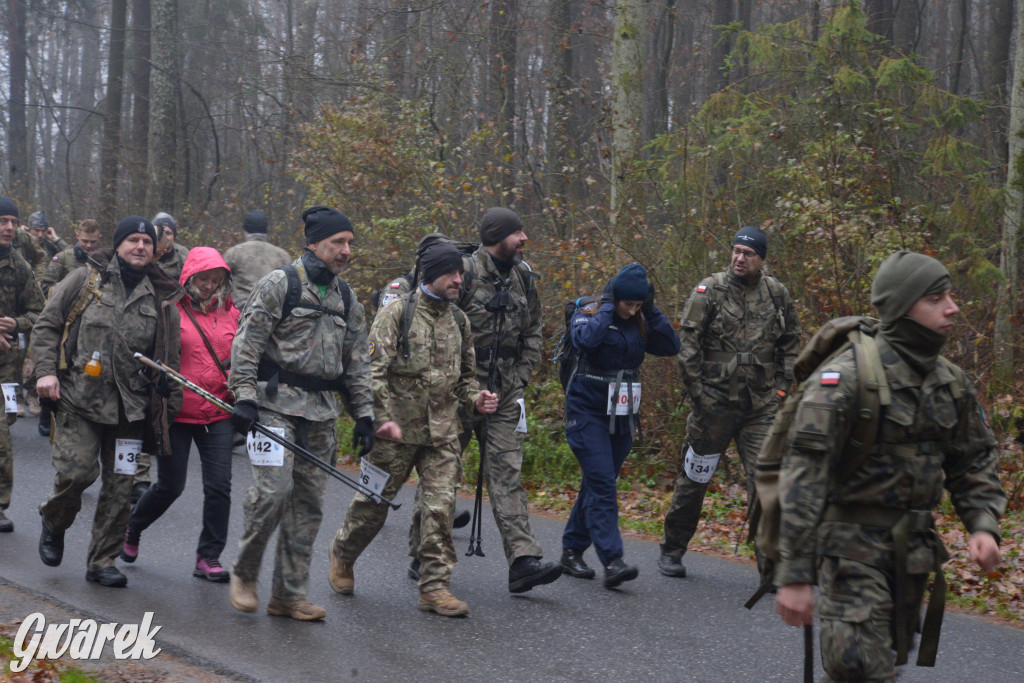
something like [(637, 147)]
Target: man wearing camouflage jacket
[(20, 305), (252, 259), (864, 532), (285, 370), (740, 334), (105, 414), (420, 380)]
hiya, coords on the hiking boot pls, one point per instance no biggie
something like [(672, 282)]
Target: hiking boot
[(414, 570), (461, 519), (44, 427), (443, 602), (342, 577), (242, 594), (670, 565), (209, 568), (527, 572), (137, 491), (130, 549), (111, 577), (6, 525), (51, 546), (301, 610), (573, 565), (617, 571)]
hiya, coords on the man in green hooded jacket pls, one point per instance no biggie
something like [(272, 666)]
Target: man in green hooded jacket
[(865, 533)]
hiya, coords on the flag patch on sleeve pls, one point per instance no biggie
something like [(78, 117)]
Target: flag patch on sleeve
[(702, 288), (829, 379)]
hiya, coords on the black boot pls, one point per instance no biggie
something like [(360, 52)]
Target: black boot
[(45, 414), (617, 571), (51, 546), (670, 565), (111, 577), (414, 570), (573, 565), (6, 525), (527, 572), (461, 519)]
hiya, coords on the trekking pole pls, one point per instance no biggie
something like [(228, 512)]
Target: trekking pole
[(266, 431), (498, 304)]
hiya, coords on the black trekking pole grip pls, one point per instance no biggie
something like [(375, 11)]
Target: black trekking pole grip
[(295, 448)]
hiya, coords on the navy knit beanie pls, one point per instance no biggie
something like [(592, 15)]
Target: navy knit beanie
[(8, 207), (256, 221), (752, 237), (631, 283), (133, 224)]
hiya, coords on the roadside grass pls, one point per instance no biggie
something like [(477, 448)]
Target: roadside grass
[(40, 671)]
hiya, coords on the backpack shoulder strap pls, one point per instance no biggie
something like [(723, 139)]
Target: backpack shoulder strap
[(873, 396), (462, 320), (294, 295), (90, 291)]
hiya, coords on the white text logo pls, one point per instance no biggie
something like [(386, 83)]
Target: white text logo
[(82, 639)]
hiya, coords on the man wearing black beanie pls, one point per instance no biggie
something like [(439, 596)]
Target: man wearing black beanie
[(301, 339), (22, 301), (253, 258), (110, 410), (740, 334)]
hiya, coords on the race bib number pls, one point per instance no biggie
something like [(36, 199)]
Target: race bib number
[(700, 468), (620, 403), (264, 451), (521, 427), (10, 397), (126, 456), (373, 479)]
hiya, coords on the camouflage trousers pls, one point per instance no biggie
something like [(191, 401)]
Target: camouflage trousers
[(82, 451), (142, 475), (292, 497), (440, 471), (710, 429), (855, 605), (8, 373)]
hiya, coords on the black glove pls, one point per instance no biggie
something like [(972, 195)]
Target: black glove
[(648, 307), (607, 294), (163, 387), (363, 435), (244, 416)]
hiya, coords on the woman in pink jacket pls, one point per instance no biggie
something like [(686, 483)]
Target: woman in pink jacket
[(209, 321)]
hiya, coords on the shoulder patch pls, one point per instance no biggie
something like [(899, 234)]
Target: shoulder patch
[(702, 288), (830, 379), (388, 298), (371, 346), (396, 285), (54, 259)]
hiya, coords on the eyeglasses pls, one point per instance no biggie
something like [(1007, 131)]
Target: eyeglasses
[(744, 252)]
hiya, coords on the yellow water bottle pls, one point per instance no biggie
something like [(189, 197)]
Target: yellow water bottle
[(94, 367)]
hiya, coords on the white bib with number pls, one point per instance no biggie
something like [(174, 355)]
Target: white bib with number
[(126, 456), (10, 397), (700, 468), (521, 427), (372, 478), (620, 403), (264, 451)]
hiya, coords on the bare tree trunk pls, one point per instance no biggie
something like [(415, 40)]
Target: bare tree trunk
[(815, 20), (906, 25), (138, 158), (1002, 335), (163, 120), (718, 74), (627, 84), (561, 158), (998, 66), (961, 45), (880, 16), (18, 175), (111, 146), (397, 29), (504, 17), (656, 79)]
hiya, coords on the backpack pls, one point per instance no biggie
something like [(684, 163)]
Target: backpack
[(407, 281), (294, 296), (566, 355)]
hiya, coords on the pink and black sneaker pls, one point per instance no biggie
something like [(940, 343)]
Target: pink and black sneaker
[(209, 568), (130, 551)]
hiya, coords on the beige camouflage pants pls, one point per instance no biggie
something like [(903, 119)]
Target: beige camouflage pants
[(82, 451), (440, 471), (291, 497), (8, 373)]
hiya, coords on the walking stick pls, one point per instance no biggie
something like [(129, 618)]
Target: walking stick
[(265, 431)]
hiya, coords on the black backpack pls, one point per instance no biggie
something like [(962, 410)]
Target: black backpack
[(406, 282), (566, 355)]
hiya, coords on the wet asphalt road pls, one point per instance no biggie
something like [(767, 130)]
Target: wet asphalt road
[(653, 629)]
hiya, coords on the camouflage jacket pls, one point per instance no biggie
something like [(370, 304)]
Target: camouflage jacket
[(739, 340), (60, 265), (20, 297), (118, 326), (423, 393), (519, 350), (928, 439), (251, 260), (308, 342), (172, 261)]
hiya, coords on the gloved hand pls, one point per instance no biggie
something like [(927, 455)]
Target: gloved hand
[(607, 294), (363, 435), (245, 414), (648, 307), (163, 387)]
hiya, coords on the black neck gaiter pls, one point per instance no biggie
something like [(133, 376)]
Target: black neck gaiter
[(918, 345), (316, 270), (131, 277)]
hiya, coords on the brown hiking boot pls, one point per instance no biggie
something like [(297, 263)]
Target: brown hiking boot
[(444, 603), (242, 594), (342, 577), (302, 610)]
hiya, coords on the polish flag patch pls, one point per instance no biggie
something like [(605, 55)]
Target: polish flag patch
[(829, 379), (396, 285), (702, 288)]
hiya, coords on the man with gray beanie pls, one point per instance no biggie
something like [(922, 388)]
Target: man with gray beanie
[(424, 369), (170, 254), (253, 258), (740, 334), (865, 534), (301, 340)]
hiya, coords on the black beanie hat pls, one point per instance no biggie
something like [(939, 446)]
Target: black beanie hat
[(631, 283), (752, 237), (256, 221), (438, 259), (323, 221), (131, 225), (497, 224), (8, 207), (167, 219)]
